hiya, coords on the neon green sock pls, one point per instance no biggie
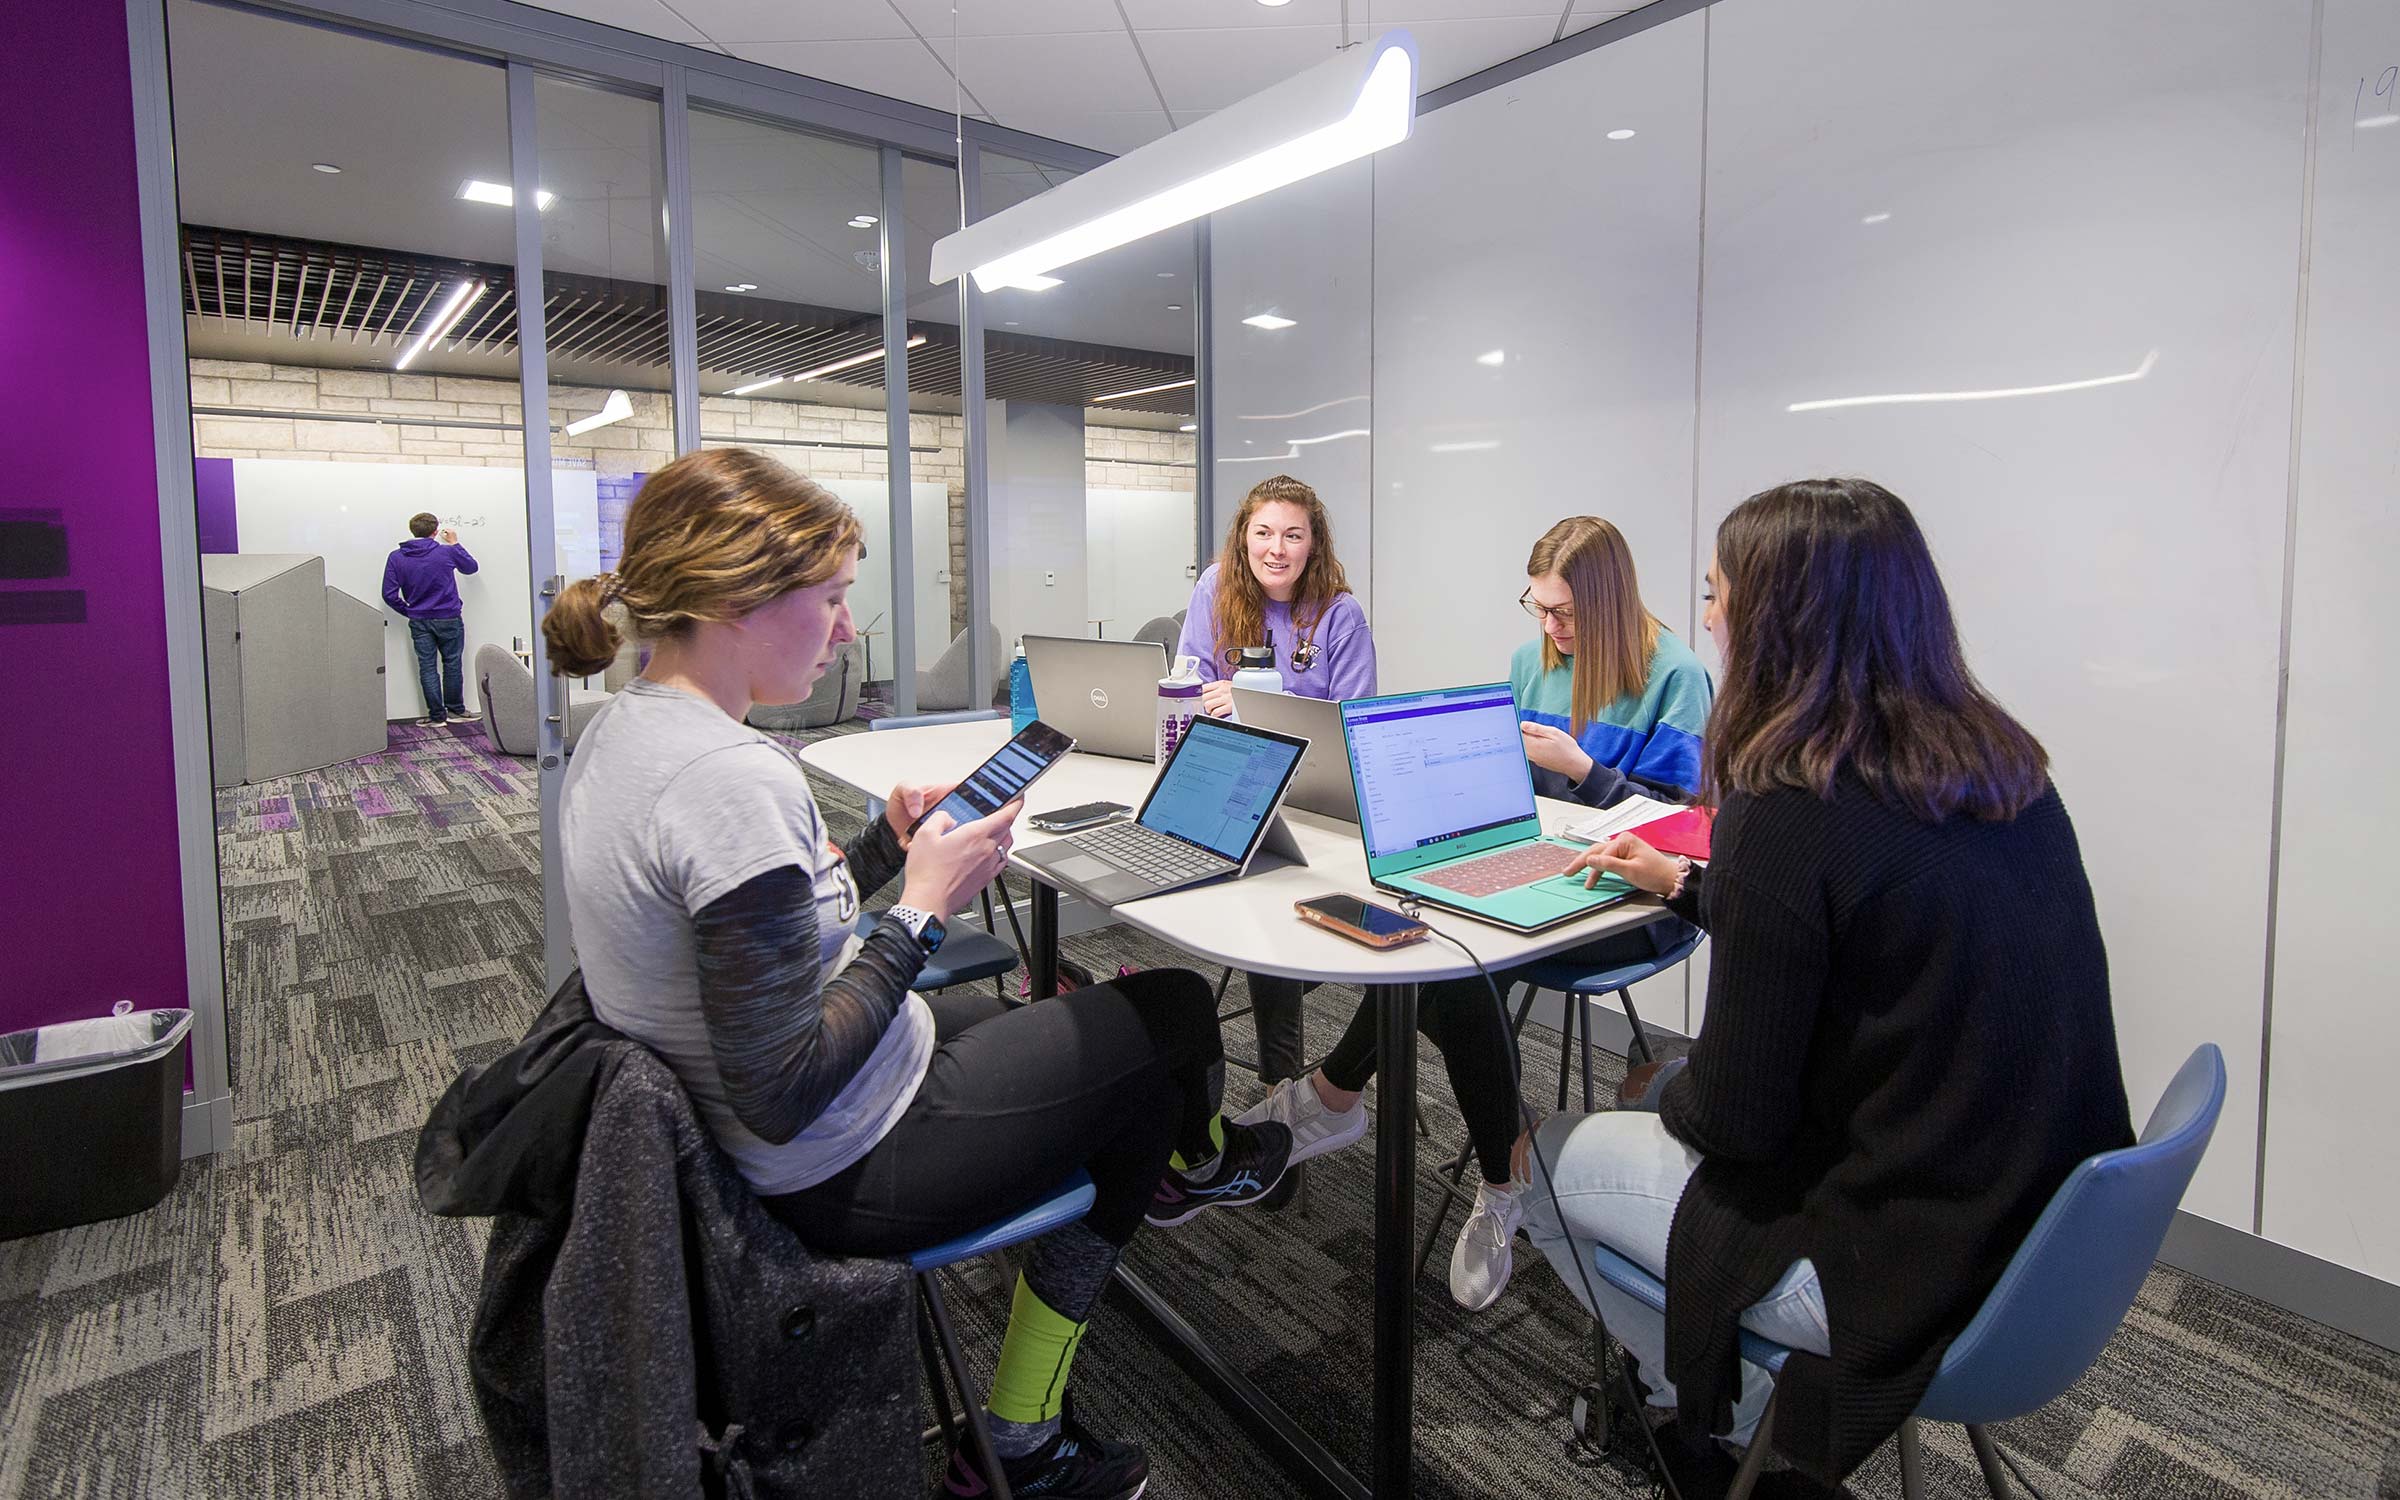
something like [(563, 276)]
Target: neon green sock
[(1216, 1142), (1035, 1355)]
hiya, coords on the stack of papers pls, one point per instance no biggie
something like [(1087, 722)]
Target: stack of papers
[(1629, 814)]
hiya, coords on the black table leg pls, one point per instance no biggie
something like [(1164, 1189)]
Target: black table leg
[(1043, 975), (1395, 1236)]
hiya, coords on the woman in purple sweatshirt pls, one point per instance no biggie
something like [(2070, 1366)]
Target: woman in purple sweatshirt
[(1278, 581)]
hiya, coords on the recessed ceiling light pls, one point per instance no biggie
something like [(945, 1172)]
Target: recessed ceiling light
[(1174, 307), (326, 167), (1270, 321), (1874, 218), (1492, 357), (1189, 427), (1274, 4), (500, 194), (1012, 322), (743, 286), (1166, 275), (1620, 135), (863, 221)]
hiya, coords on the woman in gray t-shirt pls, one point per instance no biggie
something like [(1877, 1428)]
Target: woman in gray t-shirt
[(716, 922)]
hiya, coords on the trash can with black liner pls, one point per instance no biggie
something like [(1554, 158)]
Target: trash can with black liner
[(91, 1118)]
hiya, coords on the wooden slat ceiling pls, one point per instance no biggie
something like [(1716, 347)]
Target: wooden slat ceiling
[(384, 299)]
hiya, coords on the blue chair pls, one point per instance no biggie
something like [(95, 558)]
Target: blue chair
[(2055, 1307), (1579, 982), (937, 1340)]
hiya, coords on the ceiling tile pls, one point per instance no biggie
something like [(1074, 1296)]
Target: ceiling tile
[(898, 70), (1095, 71), (732, 22), (1450, 50), (1169, 15), (1204, 70), (941, 18), (649, 17), (1590, 13)]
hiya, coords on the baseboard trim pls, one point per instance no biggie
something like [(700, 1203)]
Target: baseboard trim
[(2281, 1276), (207, 1124)]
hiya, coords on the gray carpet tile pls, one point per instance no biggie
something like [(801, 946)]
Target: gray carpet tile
[(289, 1323)]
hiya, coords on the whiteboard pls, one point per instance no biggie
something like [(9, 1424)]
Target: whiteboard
[(2074, 193), (354, 514), (2335, 1027)]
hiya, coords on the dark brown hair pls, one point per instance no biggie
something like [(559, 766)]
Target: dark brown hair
[(1615, 635), (1841, 653), (711, 536), (1241, 601), (424, 523)]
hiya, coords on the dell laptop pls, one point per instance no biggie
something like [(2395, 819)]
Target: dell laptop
[(1323, 785), (1445, 801), (1103, 694), (1208, 814)]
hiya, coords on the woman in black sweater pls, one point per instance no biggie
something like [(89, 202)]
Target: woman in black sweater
[(1908, 1042)]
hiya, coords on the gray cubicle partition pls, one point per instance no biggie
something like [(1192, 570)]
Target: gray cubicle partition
[(294, 668)]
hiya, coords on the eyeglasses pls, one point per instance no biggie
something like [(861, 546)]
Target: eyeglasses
[(1563, 613)]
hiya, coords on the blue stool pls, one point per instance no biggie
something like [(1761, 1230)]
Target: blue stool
[(2061, 1298), (937, 1341), (1579, 982), (966, 956)]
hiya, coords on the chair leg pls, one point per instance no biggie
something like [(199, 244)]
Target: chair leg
[(1633, 1018), (1224, 979), (1583, 1004), (948, 1430), (1912, 1462), (1995, 1476), (999, 981), (1754, 1458), (1433, 1231), (978, 1430)]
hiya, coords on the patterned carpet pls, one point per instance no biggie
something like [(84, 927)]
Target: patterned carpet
[(289, 1323)]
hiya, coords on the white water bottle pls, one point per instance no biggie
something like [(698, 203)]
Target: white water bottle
[(1254, 668), (1178, 705)]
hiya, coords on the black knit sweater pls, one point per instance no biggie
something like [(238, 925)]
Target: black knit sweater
[(1907, 1047)]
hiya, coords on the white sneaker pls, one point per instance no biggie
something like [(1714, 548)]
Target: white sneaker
[(1315, 1129), (1484, 1255)]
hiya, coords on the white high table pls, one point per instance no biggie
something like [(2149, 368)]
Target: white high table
[(1248, 924)]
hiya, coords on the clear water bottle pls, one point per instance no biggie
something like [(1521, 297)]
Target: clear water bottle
[(1021, 710), (1178, 705)]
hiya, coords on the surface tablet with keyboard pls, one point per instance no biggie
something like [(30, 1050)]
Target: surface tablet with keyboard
[(1206, 815), (1445, 806)]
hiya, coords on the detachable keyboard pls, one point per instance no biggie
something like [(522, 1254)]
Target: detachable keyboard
[(1505, 871), (1152, 855)]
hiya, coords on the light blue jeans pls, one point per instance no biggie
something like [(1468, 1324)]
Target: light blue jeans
[(1619, 1176)]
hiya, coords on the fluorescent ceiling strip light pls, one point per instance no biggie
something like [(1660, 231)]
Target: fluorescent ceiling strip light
[(1147, 390), (1911, 398), (1478, 446), (839, 365), (615, 409), (451, 312), (1347, 107), (1270, 321), (500, 194)]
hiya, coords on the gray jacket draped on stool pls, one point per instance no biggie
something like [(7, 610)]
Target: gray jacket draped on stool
[(645, 1327)]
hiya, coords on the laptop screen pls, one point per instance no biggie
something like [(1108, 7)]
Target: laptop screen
[(1439, 774), (1220, 785)]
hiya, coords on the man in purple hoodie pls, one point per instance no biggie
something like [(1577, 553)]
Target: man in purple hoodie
[(420, 580)]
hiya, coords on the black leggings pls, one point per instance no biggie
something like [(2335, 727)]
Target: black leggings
[(1111, 1078), (1458, 1016)]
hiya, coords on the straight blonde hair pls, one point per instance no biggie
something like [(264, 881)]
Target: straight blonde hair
[(1615, 635)]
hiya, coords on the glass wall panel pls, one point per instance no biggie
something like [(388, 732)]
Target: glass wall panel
[(937, 458), (790, 314), (1091, 401), (350, 311)]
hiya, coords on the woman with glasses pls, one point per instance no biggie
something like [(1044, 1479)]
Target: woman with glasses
[(1610, 704)]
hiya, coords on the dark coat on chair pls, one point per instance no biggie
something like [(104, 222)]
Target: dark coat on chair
[(645, 1327)]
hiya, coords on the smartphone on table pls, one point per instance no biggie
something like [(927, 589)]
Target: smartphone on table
[(1003, 778), (1361, 921), (1074, 819)]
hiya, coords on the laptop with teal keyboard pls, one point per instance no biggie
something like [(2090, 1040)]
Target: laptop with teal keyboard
[(1445, 806)]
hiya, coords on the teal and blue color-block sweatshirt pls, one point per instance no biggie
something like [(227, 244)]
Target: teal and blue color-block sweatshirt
[(1651, 737)]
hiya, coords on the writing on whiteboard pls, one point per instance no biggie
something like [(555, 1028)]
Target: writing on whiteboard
[(2379, 109)]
